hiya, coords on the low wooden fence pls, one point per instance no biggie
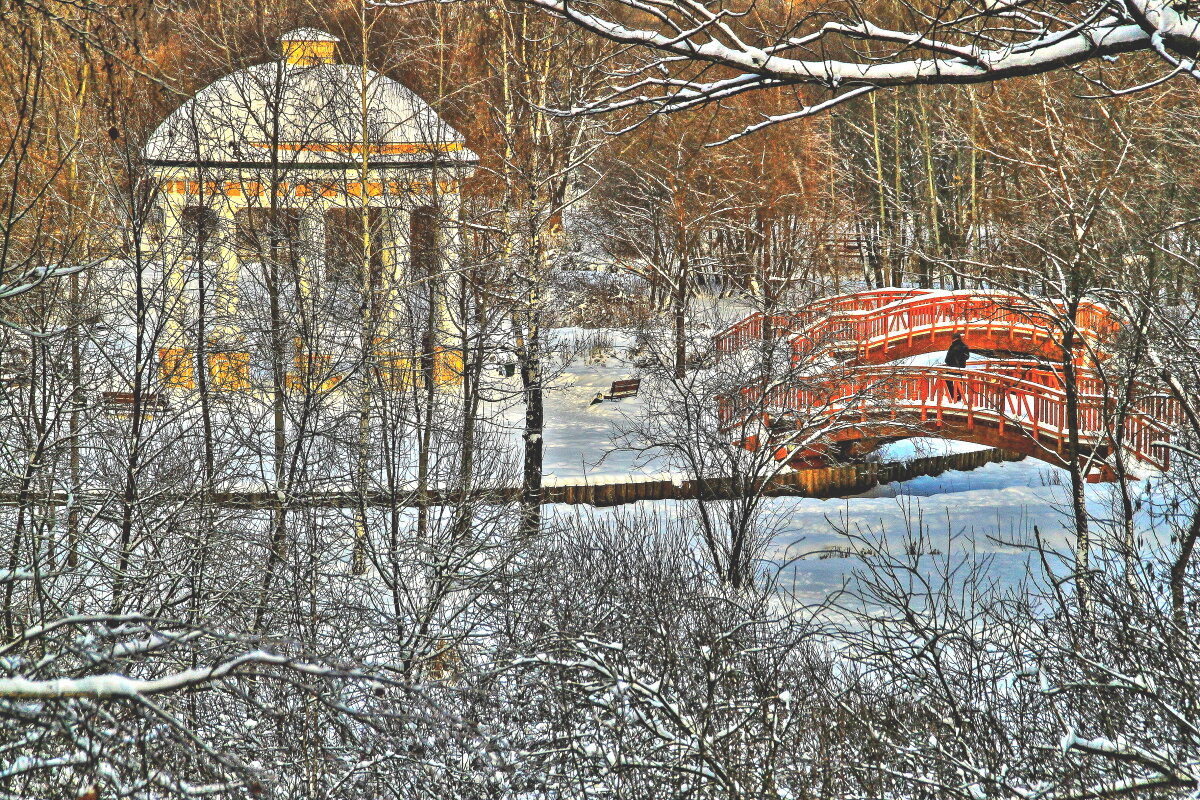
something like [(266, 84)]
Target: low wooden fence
[(836, 481)]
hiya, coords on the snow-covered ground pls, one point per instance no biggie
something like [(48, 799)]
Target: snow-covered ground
[(579, 435)]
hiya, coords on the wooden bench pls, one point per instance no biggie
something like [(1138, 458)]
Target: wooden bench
[(623, 389), (121, 401)]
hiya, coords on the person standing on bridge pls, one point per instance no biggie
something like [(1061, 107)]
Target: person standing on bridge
[(956, 357)]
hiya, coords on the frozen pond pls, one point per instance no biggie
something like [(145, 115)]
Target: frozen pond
[(989, 511)]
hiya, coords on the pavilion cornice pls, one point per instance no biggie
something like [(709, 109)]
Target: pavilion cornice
[(435, 163), (384, 148), (328, 189)]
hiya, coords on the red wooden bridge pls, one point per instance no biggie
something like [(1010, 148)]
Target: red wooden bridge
[(1018, 404)]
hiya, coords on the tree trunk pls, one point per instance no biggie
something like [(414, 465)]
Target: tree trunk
[(680, 328), (1074, 463), (531, 384)]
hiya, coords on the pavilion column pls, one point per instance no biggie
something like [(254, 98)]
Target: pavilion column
[(176, 256), (449, 257), (227, 283), (393, 242), (312, 246)]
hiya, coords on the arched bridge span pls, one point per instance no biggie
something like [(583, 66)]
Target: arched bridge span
[(1018, 404)]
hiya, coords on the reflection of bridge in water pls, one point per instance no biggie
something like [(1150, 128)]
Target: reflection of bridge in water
[(1019, 404)]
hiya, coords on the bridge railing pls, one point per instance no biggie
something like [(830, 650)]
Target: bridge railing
[(878, 329), (1004, 395), (877, 318), (752, 328)]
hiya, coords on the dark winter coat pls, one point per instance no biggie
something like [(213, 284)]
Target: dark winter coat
[(958, 354)]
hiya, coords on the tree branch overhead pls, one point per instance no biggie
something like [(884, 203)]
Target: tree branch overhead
[(954, 44)]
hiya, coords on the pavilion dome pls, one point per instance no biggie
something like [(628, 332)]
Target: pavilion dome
[(312, 110)]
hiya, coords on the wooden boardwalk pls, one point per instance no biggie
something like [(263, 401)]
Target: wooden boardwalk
[(822, 482)]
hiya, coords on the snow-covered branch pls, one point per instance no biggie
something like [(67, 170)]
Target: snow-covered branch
[(956, 45), (115, 686)]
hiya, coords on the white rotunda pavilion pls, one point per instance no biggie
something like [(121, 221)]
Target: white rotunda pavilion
[(328, 178)]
